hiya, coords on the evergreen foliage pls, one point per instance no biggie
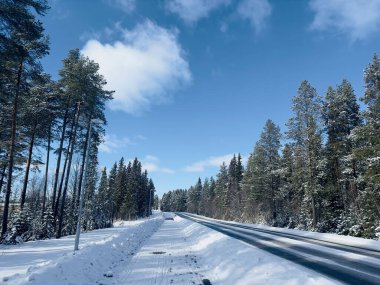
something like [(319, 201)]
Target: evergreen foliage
[(326, 177), (38, 113)]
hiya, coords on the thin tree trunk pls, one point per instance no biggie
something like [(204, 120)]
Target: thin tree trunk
[(311, 184), (354, 186), (56, 203), (80, 181), (83, 161), (75, 191), (56, 176), (46, 172), (150, 201), (12, 148), (30, 152), (2, 176), (59, 233)]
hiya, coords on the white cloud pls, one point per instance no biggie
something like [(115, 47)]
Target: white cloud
[(192, 10), (127, 6), (213, 161), (112, 142), (151, 164), (143, 69), (357, 18), (255, 11)]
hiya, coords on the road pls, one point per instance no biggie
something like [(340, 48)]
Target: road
[(347, 264), (165, 258)]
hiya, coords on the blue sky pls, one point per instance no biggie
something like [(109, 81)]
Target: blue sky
[(195, 80)]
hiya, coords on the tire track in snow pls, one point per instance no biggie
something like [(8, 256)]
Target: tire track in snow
[(166, 258)]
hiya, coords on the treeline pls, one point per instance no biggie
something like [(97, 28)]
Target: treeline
[(326, 176), (62, 118), (129, 189)]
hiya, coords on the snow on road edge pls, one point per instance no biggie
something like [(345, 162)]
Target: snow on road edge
[(97, 258), (230, 261), (329, 237)]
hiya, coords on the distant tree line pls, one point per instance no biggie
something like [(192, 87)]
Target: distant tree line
[(326, 176), (62, 118), (129, 189)]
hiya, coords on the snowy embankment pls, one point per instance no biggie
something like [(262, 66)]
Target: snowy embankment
[(329, 237), (53, 262), (229, 261), (152, 251), (183, 252)]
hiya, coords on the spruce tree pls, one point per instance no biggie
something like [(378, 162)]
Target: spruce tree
[(120, 186), (194, 197), (221, 189), (112, 190), (254, 185), (288, 198), (103, 202)]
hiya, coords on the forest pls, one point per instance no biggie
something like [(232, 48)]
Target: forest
[(322, 174), (42, 118)]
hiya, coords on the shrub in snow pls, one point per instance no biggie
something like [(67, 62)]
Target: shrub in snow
[(377, 232), (20, 229), (356, 231), (45, 230), (368, 212), (292, 223), (344, 224)]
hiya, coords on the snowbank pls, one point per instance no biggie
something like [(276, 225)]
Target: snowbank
[(334, 238), (53, 262), (229, 261)]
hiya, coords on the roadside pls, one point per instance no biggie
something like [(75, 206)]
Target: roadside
[(153, 251), (53, 262), (183, 252), (167, 257)]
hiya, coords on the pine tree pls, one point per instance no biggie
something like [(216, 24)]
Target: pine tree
[(22, 44), (304, 129), (341, 114), (33, 120), (372, 118), (366, 153)]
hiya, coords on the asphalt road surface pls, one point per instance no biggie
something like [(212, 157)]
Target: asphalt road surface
[(345, 263)]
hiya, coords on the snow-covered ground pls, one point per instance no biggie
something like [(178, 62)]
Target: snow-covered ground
[(183, 252), (53, 262), (152, 251), (329, 237)]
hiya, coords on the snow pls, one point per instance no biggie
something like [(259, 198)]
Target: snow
[(229, 261), (369, 244), (165, 249), (101, 251)]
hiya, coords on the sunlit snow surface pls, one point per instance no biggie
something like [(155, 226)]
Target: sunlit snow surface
[(53, 262), (153, 251)]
